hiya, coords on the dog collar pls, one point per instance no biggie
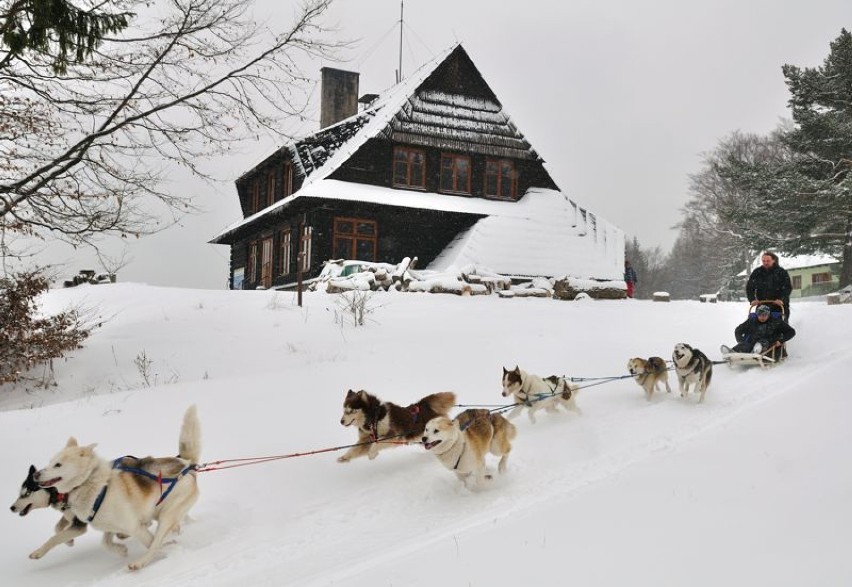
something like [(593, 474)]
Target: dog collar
[(60, 499)]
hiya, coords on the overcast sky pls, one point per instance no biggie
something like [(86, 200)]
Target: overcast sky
[(620, 98)]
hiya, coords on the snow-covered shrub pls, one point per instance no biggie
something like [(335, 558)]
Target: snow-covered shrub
[(27, 339)]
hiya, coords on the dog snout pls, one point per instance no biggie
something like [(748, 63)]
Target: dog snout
[(424, 440), (505, 393)]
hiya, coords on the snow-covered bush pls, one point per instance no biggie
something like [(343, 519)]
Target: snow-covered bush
[(27, 339)]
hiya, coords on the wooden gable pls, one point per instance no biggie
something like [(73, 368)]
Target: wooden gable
[(454, 109)]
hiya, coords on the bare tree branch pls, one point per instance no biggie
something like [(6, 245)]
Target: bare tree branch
[(85, 151)]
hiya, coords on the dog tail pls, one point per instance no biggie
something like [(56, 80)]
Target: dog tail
[(442, 402), (189, 445)]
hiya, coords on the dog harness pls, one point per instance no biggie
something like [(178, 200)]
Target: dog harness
[(98, 501), (116, 464), (458, 461), (537, 397)]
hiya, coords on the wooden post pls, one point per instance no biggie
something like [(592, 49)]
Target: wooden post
[(299, 259)]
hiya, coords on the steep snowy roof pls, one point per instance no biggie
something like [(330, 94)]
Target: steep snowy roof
[(544, 234)]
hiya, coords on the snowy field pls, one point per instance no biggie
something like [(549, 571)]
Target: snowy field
[(753, 487)]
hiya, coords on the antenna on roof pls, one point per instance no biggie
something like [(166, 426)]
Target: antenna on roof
[(399, 71)]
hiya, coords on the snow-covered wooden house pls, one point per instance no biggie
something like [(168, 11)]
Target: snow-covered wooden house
[(432, 168)]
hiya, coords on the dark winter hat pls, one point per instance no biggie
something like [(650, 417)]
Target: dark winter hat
[(763, 309)]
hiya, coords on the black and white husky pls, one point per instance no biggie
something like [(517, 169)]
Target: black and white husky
[(692, 368), (69, 526)]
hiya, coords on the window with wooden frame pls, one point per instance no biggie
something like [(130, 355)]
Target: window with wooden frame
[(409, 168), (796, 281), (355, 238), (287, 179), (270, 187), (305, 248), (255, 197), (285, 250), (501, 179), (821, 278), (266, 263), (455, 173), (251, 265)]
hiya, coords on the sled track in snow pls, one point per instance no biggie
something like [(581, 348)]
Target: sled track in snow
[(726, 398), (443, 510)]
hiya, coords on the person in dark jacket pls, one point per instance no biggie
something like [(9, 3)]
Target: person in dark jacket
[(770, 282), (630, 278), (760, 333)]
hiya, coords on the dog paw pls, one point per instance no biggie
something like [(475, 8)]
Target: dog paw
[(137, 564), (36, 555), (343, 459), (70, 542)]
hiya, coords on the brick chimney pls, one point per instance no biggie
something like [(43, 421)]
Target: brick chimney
[(339, 95)]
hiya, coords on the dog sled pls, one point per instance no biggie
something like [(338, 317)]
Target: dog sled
[(764, 358)]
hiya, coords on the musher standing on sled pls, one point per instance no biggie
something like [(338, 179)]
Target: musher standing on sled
[(770, 282)]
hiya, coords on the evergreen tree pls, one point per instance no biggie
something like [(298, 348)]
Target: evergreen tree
[(819, 192), (800, 201), (58, 29)]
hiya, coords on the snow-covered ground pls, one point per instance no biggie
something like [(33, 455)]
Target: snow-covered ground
[(753, 487)]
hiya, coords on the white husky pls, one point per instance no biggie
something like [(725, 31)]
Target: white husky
[(125, 496), (534, 392)]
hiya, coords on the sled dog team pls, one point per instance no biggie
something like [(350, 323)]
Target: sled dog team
[(123, 497)]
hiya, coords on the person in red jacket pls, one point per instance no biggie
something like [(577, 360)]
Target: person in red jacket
[(629, 278)]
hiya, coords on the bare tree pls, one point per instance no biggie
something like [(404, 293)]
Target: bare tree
[(723, 220), (85, 148)]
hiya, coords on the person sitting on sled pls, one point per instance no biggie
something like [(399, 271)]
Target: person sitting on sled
[(762, 333)]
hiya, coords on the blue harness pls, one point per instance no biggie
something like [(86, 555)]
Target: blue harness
[(170, 481)]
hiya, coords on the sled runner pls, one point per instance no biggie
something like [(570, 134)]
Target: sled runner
[(746, 359)]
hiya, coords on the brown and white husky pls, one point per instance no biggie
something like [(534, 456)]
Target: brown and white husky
[(377, 420), (462, 443)]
